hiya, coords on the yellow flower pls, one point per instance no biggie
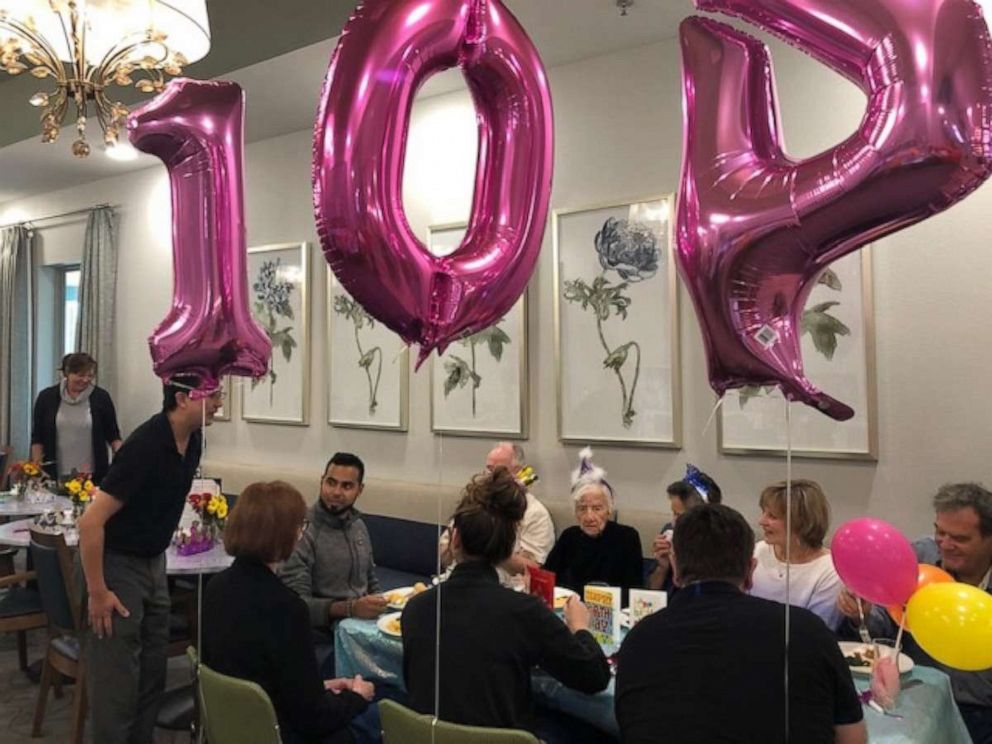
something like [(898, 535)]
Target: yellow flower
[(88, 486), (84, 497), (222, 511), (73, 487), (31, 470), (212, 506)]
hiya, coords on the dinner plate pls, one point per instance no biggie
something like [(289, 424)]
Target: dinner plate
[(390, 624), (849, 648), (397, 598), (561, 596)]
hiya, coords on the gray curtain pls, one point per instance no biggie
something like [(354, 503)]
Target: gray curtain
[(16, 316), (97, 294)]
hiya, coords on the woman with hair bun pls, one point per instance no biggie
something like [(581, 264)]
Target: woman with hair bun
[(597, 550), (492, 636)]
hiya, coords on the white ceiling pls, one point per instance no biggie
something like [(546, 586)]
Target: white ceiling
[(563, 30)]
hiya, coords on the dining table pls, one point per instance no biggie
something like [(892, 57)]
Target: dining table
[(11, 506), (925, 713), (18, 534)]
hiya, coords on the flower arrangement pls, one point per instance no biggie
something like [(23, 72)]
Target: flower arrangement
[(79, 488), (203, 533), (28, 478)]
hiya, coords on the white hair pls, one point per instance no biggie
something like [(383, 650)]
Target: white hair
[(589, 476)]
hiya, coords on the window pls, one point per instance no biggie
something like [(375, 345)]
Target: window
[(69, 302)]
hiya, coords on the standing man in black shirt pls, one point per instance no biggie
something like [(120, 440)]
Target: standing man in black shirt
[(710, 668), (122, 540)]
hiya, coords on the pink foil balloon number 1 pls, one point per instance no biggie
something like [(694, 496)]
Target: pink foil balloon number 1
[(387, 50), (196, 129), (756, 228)]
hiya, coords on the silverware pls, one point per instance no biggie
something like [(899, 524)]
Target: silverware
[(863, 627)]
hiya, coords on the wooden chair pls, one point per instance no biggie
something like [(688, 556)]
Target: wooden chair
[(62, 604), (20, 611), (400, 725)]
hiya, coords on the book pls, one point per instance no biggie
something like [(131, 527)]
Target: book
[(604, 613), (644, 602), (542, 585)]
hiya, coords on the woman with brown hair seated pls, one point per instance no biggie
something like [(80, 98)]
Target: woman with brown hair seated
[(491, 636), (256, 628)]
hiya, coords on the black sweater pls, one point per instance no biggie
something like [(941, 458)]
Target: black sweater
[(255, 628), (491, 638), (104, 430), (613, 558)]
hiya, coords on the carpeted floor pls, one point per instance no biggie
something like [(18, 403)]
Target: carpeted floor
[(18, 696)]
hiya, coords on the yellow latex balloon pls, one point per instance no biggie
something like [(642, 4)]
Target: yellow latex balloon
[(953, 623)]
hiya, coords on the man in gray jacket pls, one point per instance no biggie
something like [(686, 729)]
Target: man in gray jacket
[(332, 567)]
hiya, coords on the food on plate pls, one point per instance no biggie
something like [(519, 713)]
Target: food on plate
[(863, 657), (392, 625), (399, 597)]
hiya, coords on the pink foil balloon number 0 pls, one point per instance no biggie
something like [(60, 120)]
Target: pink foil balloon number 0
[(755, 228), (387, 50)]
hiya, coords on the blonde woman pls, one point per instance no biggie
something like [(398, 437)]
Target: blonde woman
[(814, 583)]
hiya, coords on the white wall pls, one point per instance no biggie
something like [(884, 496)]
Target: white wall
[(618, 122)]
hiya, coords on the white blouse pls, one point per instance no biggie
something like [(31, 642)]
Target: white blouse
[(814, 585)]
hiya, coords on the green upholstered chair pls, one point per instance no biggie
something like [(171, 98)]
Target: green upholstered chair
[(400, 725), (234, 711)]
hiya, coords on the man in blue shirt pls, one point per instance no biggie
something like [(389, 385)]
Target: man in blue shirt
[(962, 546)]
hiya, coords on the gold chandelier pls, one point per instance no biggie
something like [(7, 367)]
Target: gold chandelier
[(86, 46)]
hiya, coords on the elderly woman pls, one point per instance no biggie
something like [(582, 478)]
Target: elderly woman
[(598, 550), (256, 628), (814, 583), (694, 489), (492, 636), (74, 423)]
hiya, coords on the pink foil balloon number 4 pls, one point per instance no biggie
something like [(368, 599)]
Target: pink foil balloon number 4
[(756, 228)]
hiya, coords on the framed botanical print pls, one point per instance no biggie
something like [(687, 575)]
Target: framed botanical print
[(279, 291), (369, 366), (479, 384), (838, 346), (617, 325)]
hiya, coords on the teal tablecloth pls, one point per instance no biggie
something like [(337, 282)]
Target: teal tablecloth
[(927, 709)]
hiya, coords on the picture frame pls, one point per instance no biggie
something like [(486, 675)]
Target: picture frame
[(753, 422), (279, 292), (368, 379), (615, 275), (224, 412), (479, 384)]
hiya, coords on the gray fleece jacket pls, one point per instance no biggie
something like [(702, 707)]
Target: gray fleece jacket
[(332, 561)]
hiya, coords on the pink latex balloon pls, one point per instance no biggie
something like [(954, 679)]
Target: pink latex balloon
[(755, 227), (387, 50), (875, 561), (197, 129)]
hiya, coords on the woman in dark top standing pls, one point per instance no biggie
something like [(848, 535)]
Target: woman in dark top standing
[(492, 636), (256, 628), (74, 422), (598, 550)]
